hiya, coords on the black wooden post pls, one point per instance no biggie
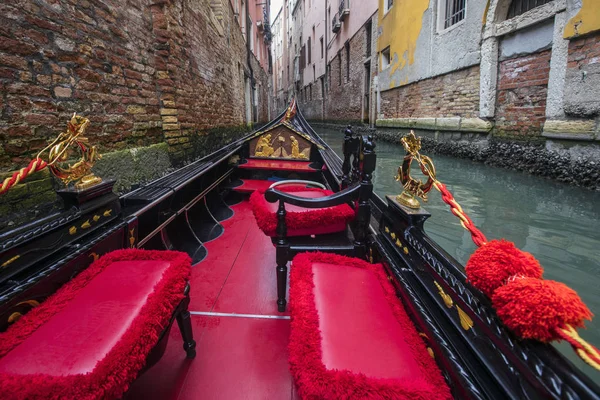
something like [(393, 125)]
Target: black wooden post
[(347, 150), (185, 325), (363, 215), (282, 253)]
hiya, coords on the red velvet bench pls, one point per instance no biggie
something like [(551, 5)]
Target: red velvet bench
[(301, 221), (96, 334), (350, 336)]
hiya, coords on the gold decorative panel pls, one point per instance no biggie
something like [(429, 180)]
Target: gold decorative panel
[(280, 143)]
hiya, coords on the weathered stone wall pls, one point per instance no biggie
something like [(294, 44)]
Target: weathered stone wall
[(569, 164), (455, 94), (60, 57), (159, 78), (522, 92), (143, 72)]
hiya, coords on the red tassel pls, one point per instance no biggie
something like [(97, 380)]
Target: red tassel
[(491, 265), (535, 309)]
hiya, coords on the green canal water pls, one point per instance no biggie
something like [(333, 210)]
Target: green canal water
[(557, 223)]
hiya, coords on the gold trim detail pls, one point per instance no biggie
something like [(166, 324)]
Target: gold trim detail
[(414, 188), (387, 230), (79, 172), (72, 230), (86, 224), (95, 256), (14, 317), (398, 243), (393, 235), (131, 238), (10, 261), (446, 297), (107, 213), (32, 303), (465, 321), (96, 218), (431, 353)]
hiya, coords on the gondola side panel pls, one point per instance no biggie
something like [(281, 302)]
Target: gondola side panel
[(485, 351), (27, 293)]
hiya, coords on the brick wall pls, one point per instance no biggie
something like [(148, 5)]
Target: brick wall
[(142, 71), (521, 94), (455, 94), (584, 51)]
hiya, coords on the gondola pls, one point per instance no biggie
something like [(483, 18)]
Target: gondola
[(89, 294)]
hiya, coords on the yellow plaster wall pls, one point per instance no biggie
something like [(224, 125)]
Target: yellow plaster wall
[(587, 20), (400, 29)]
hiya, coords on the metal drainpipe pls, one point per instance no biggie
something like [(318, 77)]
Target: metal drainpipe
[(249, 61), (326, 64)]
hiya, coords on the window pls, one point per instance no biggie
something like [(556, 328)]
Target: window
[(453, 11), (347, 46), (321, 47), (518, 7), (314, 73), (328, 77), (387, 4), (322, 87), (308, 51), (385, 58), (310, 91), (339, 69)]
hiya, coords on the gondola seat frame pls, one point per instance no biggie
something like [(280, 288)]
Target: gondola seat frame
[(357, 189)]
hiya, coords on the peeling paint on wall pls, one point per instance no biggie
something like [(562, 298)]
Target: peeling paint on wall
[(401, 27), (585, 21)]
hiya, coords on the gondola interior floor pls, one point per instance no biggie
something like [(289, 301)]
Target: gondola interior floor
[(241, 338)]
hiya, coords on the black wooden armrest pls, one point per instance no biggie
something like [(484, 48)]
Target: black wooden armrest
[(342, 197)]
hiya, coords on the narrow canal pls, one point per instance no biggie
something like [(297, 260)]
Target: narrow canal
[(557, 223)]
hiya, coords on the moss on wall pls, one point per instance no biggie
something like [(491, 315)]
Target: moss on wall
[(134, 166)]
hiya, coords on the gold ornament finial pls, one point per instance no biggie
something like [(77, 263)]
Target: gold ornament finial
[(58, 153), (414, 188)]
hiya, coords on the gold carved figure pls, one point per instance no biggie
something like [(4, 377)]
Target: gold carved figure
[(58, 153), (296, 149), (263, 147), (414, 188)]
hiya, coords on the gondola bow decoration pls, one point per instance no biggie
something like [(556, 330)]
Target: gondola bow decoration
[(530, 306), (59, 151)]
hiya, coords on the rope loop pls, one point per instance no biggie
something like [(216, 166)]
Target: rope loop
[(35, 165)]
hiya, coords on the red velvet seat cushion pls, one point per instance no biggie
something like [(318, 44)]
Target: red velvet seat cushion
[(350, 335), (91, 338), (301, 221)]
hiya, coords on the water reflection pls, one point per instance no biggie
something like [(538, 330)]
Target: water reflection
[(555, 222)]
